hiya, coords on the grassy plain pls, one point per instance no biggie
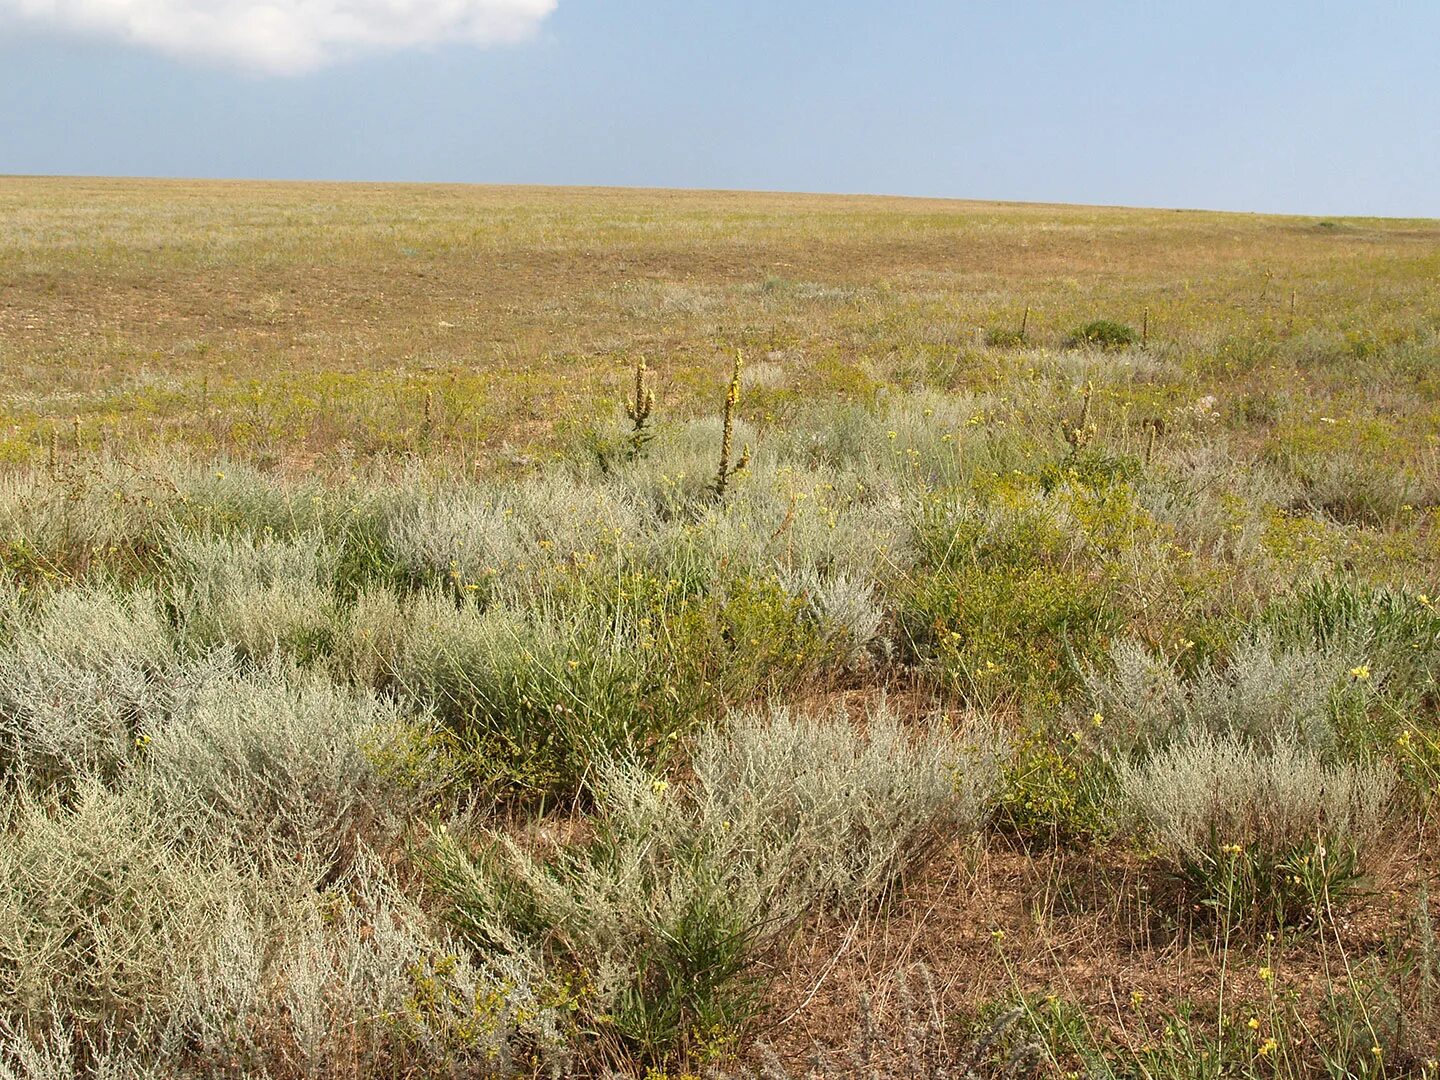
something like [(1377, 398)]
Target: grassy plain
[(375, 700)]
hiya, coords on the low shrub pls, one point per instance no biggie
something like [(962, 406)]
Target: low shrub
[(257, 595), (82, 672), (1266, 694), (1257, 835), (661, 912), (276, 762)]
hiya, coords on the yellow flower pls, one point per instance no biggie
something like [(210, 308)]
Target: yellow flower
[(1266, 975), (1098, 719), (1137, 998), (1361, 673), (1232, 849), (660, 786), (1268, 1047), (1253, 1024)]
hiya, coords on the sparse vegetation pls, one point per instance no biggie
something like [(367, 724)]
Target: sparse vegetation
[(393, 689)]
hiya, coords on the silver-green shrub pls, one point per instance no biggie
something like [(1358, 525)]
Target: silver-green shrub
[(1265, 694), (276, 762), (256, 593), (79, 677), (99, 910), (680, 888), (1206, 791)]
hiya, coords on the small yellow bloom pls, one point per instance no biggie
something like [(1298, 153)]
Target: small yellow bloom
[(1137, 998), (660, 786), (1268, 1047), (1253, 1023), (1266, 975), (1098, 719), (1361, 673)]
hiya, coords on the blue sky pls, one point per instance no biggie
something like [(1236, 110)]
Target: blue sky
[(1324, 108)]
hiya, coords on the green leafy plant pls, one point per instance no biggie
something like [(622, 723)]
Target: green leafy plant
[(1102, 334)]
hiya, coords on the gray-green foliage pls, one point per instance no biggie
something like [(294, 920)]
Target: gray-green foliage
[(99, 910), (678, 889), (274, 760), (1265, 693), (254, 593), (80, 676), (1205, 791)]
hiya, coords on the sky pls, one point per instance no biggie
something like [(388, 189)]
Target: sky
[(1265, 105)]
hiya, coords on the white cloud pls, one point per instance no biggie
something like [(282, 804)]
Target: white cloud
[(287, 37)]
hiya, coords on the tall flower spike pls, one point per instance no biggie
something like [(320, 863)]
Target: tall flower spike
[(726, 471), (640, 408)]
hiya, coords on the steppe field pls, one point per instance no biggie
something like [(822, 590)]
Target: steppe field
[(507, 632)]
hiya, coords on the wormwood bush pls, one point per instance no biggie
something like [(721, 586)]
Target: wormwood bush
[(98, 911), (63, 524), (1215, 500), (662, 912), (120, 958), (847, 611), (1267, 694), (355, 981), (79, 676), (1257, 834), (1360, 487), (256, 593), (853, 813), (475, 538), (276, 762)]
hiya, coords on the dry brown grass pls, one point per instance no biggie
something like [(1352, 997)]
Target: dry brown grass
[(282, 321)]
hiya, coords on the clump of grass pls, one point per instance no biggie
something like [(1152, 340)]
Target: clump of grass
[(533, 698)]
